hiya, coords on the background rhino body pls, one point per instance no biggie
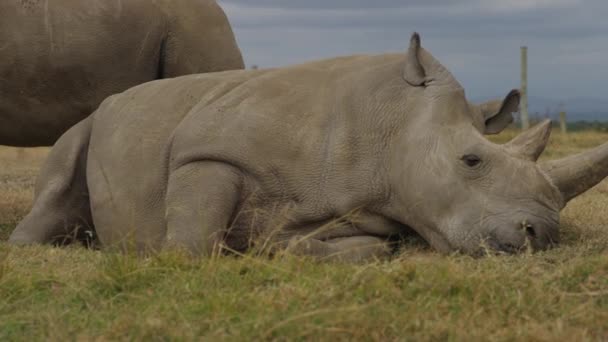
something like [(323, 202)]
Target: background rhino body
[(200, 160), (60, 59)]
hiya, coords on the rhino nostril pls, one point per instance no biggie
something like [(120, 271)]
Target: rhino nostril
[(530, 231)]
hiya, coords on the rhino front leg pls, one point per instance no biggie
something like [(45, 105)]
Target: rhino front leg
[(353, 249), (201, 198)]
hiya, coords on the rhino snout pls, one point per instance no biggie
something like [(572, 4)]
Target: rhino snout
[(523, 235)]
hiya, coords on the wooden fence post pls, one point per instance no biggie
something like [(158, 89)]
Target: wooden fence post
[(562, 122), (525, 120)]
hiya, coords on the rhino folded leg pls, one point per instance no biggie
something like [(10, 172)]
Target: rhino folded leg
[(201, 198), (61, 202), (353, 249)]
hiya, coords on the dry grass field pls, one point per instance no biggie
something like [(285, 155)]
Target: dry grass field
[(77, 294)]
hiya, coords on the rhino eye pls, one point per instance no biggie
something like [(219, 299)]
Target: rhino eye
[(471, 160)]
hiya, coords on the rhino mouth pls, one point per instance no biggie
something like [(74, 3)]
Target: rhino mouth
[(506, 248), (493, 246)]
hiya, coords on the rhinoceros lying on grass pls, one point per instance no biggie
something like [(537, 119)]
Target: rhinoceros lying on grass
[(225, 158), (59, 59)]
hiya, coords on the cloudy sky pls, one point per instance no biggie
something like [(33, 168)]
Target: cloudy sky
[(478, 40)]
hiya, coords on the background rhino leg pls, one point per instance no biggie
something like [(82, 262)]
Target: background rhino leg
[(201, 198), (353, 249), (61, 211)]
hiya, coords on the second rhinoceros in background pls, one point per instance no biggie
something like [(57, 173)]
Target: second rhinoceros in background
[(60, 59), (381, 143)]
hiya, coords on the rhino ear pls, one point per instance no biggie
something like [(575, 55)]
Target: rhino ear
[(497, 114), (423, 70), (414, 72)]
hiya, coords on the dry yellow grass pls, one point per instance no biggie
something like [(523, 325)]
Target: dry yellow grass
[(73, 293), (18, 170)]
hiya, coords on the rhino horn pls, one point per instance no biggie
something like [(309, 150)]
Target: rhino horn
[(576, 174), (530, 144), (422, 69)]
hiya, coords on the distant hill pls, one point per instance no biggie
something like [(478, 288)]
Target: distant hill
[(577, 109)]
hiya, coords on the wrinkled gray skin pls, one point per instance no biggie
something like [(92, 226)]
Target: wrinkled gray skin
[(60, 59), (227, 158)]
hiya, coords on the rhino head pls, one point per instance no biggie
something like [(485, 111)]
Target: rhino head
[(462, 192)]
